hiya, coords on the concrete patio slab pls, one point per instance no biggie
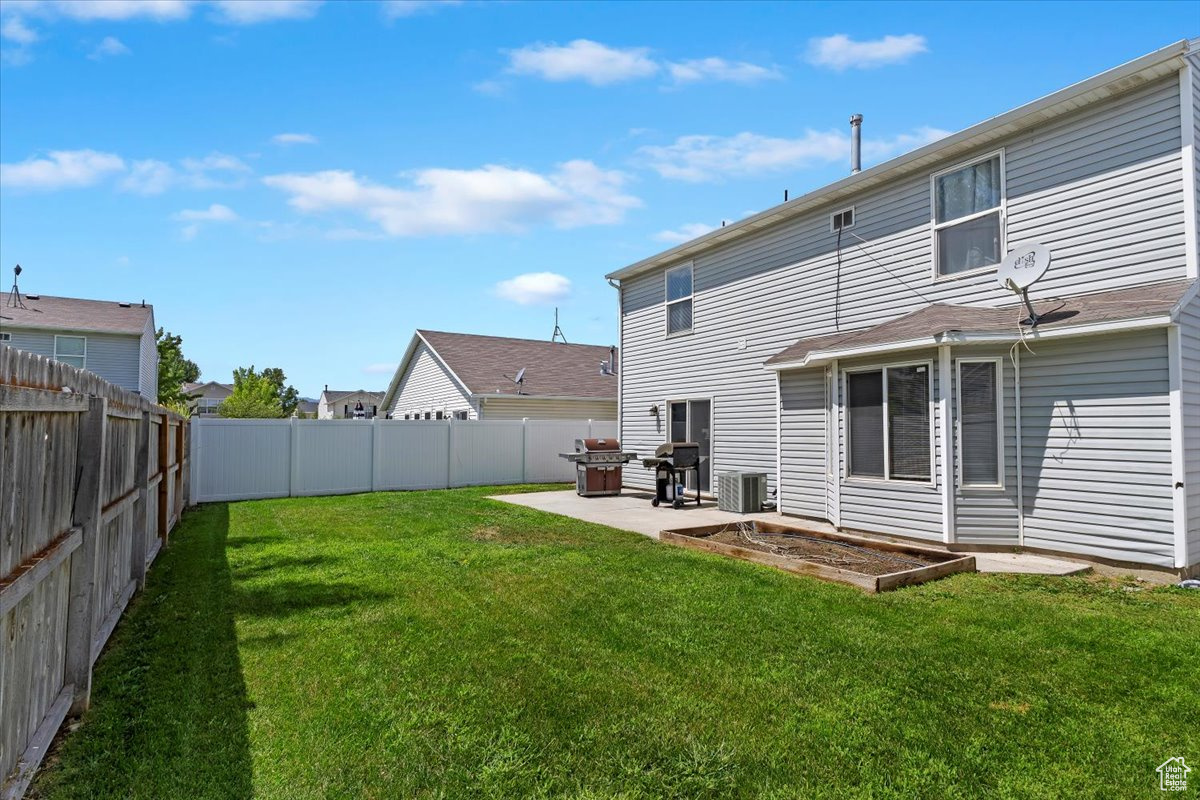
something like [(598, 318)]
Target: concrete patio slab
[(632, 511)]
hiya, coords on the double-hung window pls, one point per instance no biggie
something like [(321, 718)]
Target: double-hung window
[(888, 423), (71, 350), (679, 300), (968, 216), (980, 449)]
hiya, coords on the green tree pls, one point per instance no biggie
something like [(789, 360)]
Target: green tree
[(254, 396), (289, 398), (173, 370)]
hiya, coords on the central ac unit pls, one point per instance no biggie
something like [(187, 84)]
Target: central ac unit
[(741, 492)]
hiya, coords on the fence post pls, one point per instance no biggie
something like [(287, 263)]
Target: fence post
[(89, 468), (141, 465), (164, 471), (591, 435), (374, 455), (185, 426), (449, 453), (293, 458), (524, 449)]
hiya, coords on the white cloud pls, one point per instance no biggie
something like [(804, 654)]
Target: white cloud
[(387, 368), (698, 158), (196, 217), (90, 10), (407, 8), (718, 69), (583, 60), (109, 46), (148, 176), (840, 52), (62, 169), (214, 213), (214, 171), (250, 12), (450, 201), (534, 288), (684, 233), (15, 30), (294, 138)]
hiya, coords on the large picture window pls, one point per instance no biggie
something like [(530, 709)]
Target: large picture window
[(679, 300), (889, 423), (71, 350), (979, 423), (968, 216)]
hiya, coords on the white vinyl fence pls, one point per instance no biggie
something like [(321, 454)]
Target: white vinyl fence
[(241, 459)]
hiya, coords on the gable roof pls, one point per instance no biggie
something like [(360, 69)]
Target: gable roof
[(75, 314), (336, 395), (192, 387), (1153, 66), (481, 365), (552, 369), (942, 323)]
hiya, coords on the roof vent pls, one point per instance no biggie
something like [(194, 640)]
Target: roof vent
[(33, 297), (123, 305), (856, 144)]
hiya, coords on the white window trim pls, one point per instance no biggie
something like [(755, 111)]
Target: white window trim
[(668, 303), (958, 472), (853, 219), (936, 226), (887, 466), (68, 355)]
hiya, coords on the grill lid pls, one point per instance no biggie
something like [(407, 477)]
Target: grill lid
[(596, 445)]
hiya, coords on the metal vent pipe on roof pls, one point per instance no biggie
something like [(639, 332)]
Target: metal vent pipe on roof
[(855, 143)]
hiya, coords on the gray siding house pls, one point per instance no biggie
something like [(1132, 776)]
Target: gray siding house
[(113, 340), (206, 398), (856, 345), (465, 376), (343, 404)]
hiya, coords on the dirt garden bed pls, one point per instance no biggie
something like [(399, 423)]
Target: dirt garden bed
[(874, 566)]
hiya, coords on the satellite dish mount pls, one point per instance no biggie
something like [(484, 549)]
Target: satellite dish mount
[(1020, 269), (14, 297), (519, 380)]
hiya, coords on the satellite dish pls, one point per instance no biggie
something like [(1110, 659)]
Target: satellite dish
[(1023, 266), (520, 376), (1020, 269)]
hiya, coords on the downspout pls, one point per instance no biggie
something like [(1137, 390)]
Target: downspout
[(621, 350), (1020, 448)]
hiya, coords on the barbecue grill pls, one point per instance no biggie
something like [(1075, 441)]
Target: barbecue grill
[(598, 465), (670, 464)]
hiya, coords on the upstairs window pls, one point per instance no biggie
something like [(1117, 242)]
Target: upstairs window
[(679, 300), (842, 220), (968, 216), (888, 423), (5, 337), (71, 350)]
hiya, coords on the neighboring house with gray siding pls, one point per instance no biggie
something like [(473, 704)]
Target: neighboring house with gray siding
[(465, 376), (206, 398), (111, 339), (872, 365)]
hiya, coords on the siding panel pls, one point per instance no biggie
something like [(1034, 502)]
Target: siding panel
[(1125, 513), (428, 387), (1189, 341), (802, 421)]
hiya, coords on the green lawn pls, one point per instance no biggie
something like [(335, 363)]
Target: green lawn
[(440, 644)]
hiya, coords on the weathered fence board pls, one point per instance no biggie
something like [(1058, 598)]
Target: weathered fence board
[(79, 522), (242, 459)]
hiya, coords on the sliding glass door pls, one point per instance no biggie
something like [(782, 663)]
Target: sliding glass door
[(691, 421)]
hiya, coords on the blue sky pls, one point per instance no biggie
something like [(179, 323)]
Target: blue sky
[(301, 184)]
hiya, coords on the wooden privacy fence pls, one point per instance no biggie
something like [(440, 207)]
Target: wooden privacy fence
[(92, 479), (240, 459)]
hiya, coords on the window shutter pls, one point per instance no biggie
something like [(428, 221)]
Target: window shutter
[(864, 395), (978, 425), (908, 422)]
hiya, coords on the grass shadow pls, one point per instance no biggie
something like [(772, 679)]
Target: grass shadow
[(169, 683)]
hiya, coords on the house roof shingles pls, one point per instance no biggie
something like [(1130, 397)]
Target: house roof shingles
[(942, 318), (552, 369), (74, 314)]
